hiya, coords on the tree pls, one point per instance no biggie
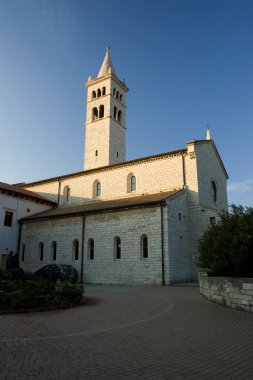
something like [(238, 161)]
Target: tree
[(226, 249)]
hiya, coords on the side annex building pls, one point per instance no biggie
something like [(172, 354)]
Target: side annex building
[(125, 222)]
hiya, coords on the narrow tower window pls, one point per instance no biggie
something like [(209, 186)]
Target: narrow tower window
[(144, 247), (66, 194), (214, 191), (96, 153), (99, 93), (101, 111), (91, 249), (103, 91), (133, 183), (114, 92), (119, 116), (120, 97), (94, 113), (76, 249), (98, 189), (54, 250), (23, 252), (117, 248), (117, 95), (115, 113), (41, 250), (94, 94)]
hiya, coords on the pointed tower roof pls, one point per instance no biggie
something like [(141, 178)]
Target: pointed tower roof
[(107, 65)]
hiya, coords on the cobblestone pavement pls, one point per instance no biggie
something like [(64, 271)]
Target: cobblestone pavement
[(125, 332)]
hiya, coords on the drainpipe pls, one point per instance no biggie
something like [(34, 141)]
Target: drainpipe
[(162, 243), (59, 192), (82, 249), (19, 237)]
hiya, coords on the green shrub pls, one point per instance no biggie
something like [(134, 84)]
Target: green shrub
[(69, 293), (35, 292), (226, 249)]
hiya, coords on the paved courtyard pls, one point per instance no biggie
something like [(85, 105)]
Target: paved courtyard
[(129, 332)]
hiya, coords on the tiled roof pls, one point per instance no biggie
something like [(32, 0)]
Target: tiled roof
[(100, 206), (5, 188)]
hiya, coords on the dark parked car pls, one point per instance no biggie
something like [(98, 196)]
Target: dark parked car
[(57, 272)]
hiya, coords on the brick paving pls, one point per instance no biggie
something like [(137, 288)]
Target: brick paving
[(125, 332)]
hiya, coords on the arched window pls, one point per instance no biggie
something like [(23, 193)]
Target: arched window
[(144, 247), (41, 251), (120, 97), (96, 189), (23, 252), (117, 248), (66, 194), (115, 113), (103, 91), (96, 152), (94, 113), (91, 249), (117, 94), (114, 92), (99, 93), (94, 95), (119, 116), (133, 183), (101, 111), (76, 249), (214, 191), (54, 250)]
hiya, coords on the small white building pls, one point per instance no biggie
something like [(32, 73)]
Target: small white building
[(17, 203), (126, 222)]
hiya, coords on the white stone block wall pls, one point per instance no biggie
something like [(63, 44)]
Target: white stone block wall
[(62, 231), (129, 225), (180, 256), (152, 176), (209, 169), (202, 166), (236, 293)]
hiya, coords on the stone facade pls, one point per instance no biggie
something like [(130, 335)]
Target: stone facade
[(193, 178), (233, 292)]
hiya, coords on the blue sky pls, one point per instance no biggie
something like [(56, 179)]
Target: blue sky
[(187, 63)]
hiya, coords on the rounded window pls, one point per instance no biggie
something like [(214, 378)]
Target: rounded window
[(214, 190)]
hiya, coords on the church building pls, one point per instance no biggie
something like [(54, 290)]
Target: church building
[(125, 222)]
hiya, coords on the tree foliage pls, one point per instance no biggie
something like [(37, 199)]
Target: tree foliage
[(226, 249)]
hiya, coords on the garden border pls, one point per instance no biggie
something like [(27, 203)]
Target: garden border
[(233, 292)]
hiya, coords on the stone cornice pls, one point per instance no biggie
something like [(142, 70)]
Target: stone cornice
[(102, 79), (103, 118)]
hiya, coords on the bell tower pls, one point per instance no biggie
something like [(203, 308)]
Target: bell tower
[(105, 141)]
